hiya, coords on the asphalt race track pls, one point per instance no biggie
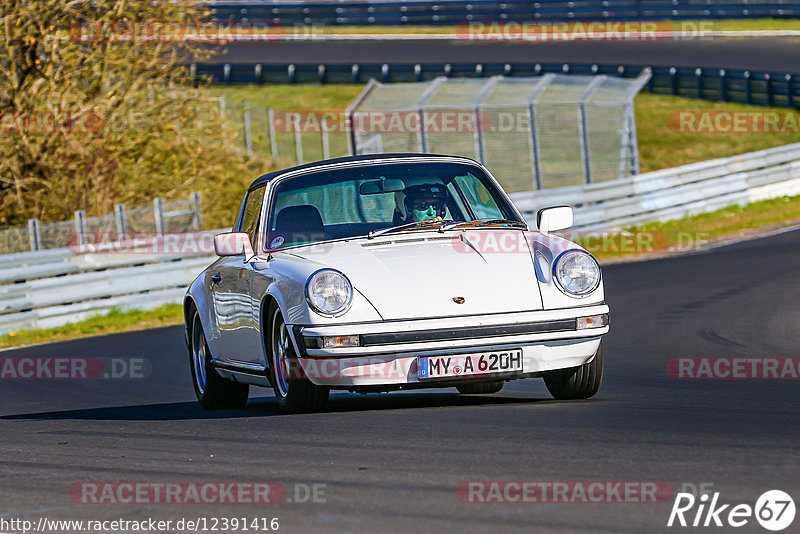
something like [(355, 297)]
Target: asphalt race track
[(769, 54), (392, 463)]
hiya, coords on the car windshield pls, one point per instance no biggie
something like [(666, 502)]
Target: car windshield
[(354, 201)]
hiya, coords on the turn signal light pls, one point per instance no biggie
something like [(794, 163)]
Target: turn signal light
[(593, 321), (335, 342)]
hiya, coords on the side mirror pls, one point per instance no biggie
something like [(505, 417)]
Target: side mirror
[(233, 244), (553, 219)]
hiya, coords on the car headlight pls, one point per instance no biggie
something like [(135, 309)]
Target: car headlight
[(329, 292), (576, 273)]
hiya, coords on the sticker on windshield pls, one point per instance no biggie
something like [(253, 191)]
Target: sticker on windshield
[(277, 242)]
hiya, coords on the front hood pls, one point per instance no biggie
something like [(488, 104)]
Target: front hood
[(423, 275)]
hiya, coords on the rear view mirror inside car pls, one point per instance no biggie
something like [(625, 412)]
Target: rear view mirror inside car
[(391, 185)]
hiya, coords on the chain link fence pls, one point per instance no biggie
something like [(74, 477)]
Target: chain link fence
[(288, 137), (540, 132), (159, 217)]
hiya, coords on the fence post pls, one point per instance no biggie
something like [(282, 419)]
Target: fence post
[(583, 129), (35, 234), (480, 145), (422, 138), (197, 215), (80, 226), (158, 214), (673, 80), (248, 137), (298, 141), (221, 101), (699, 74), (534, 146), (770, 90), (533, 96), (122, 222), (723, 84), (629, 152), (273, 141), (326, 146), (349, 116)]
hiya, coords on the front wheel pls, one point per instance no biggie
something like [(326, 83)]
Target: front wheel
[(211, 390), (295, 392), (579, 382)]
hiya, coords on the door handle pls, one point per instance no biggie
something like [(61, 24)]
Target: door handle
[(216, 278)]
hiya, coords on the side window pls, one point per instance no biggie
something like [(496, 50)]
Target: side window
[(252, 212)]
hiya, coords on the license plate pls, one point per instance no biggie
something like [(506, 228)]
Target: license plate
[(468, 365)]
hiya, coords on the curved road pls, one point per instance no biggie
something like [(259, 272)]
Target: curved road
[(768, 54), (392, 463)]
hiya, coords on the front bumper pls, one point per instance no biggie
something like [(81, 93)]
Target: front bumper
[(388, 354)]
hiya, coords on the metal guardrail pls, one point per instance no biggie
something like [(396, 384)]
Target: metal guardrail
[(674, 193), (743, 86), (157, 218), (450, 12), (50, 288)]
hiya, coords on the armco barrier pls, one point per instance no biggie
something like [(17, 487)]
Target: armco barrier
[(747, 87), (674, 193), (450, 12), (53, 287)]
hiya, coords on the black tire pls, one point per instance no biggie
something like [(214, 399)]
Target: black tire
[(480, 388), (295, 392), (212, 391), (580, 382)]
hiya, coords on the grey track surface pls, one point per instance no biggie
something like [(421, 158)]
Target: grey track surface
[(392, 462), (759, 54)]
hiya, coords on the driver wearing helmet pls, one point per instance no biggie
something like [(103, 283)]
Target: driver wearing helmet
[(421, 202)]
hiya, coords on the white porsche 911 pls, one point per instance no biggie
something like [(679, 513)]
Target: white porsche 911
[(392, 272)]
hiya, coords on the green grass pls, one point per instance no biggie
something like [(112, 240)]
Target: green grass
[(733, 219), (292, 97), (694, 232), (757, 24), (661, 146), (112, 322)]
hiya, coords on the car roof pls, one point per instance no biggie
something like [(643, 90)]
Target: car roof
[(346, 159)]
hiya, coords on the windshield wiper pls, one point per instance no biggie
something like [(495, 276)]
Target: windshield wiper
[(418, 224), (484, 222)]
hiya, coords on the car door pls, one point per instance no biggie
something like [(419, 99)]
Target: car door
[(233, 301)]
